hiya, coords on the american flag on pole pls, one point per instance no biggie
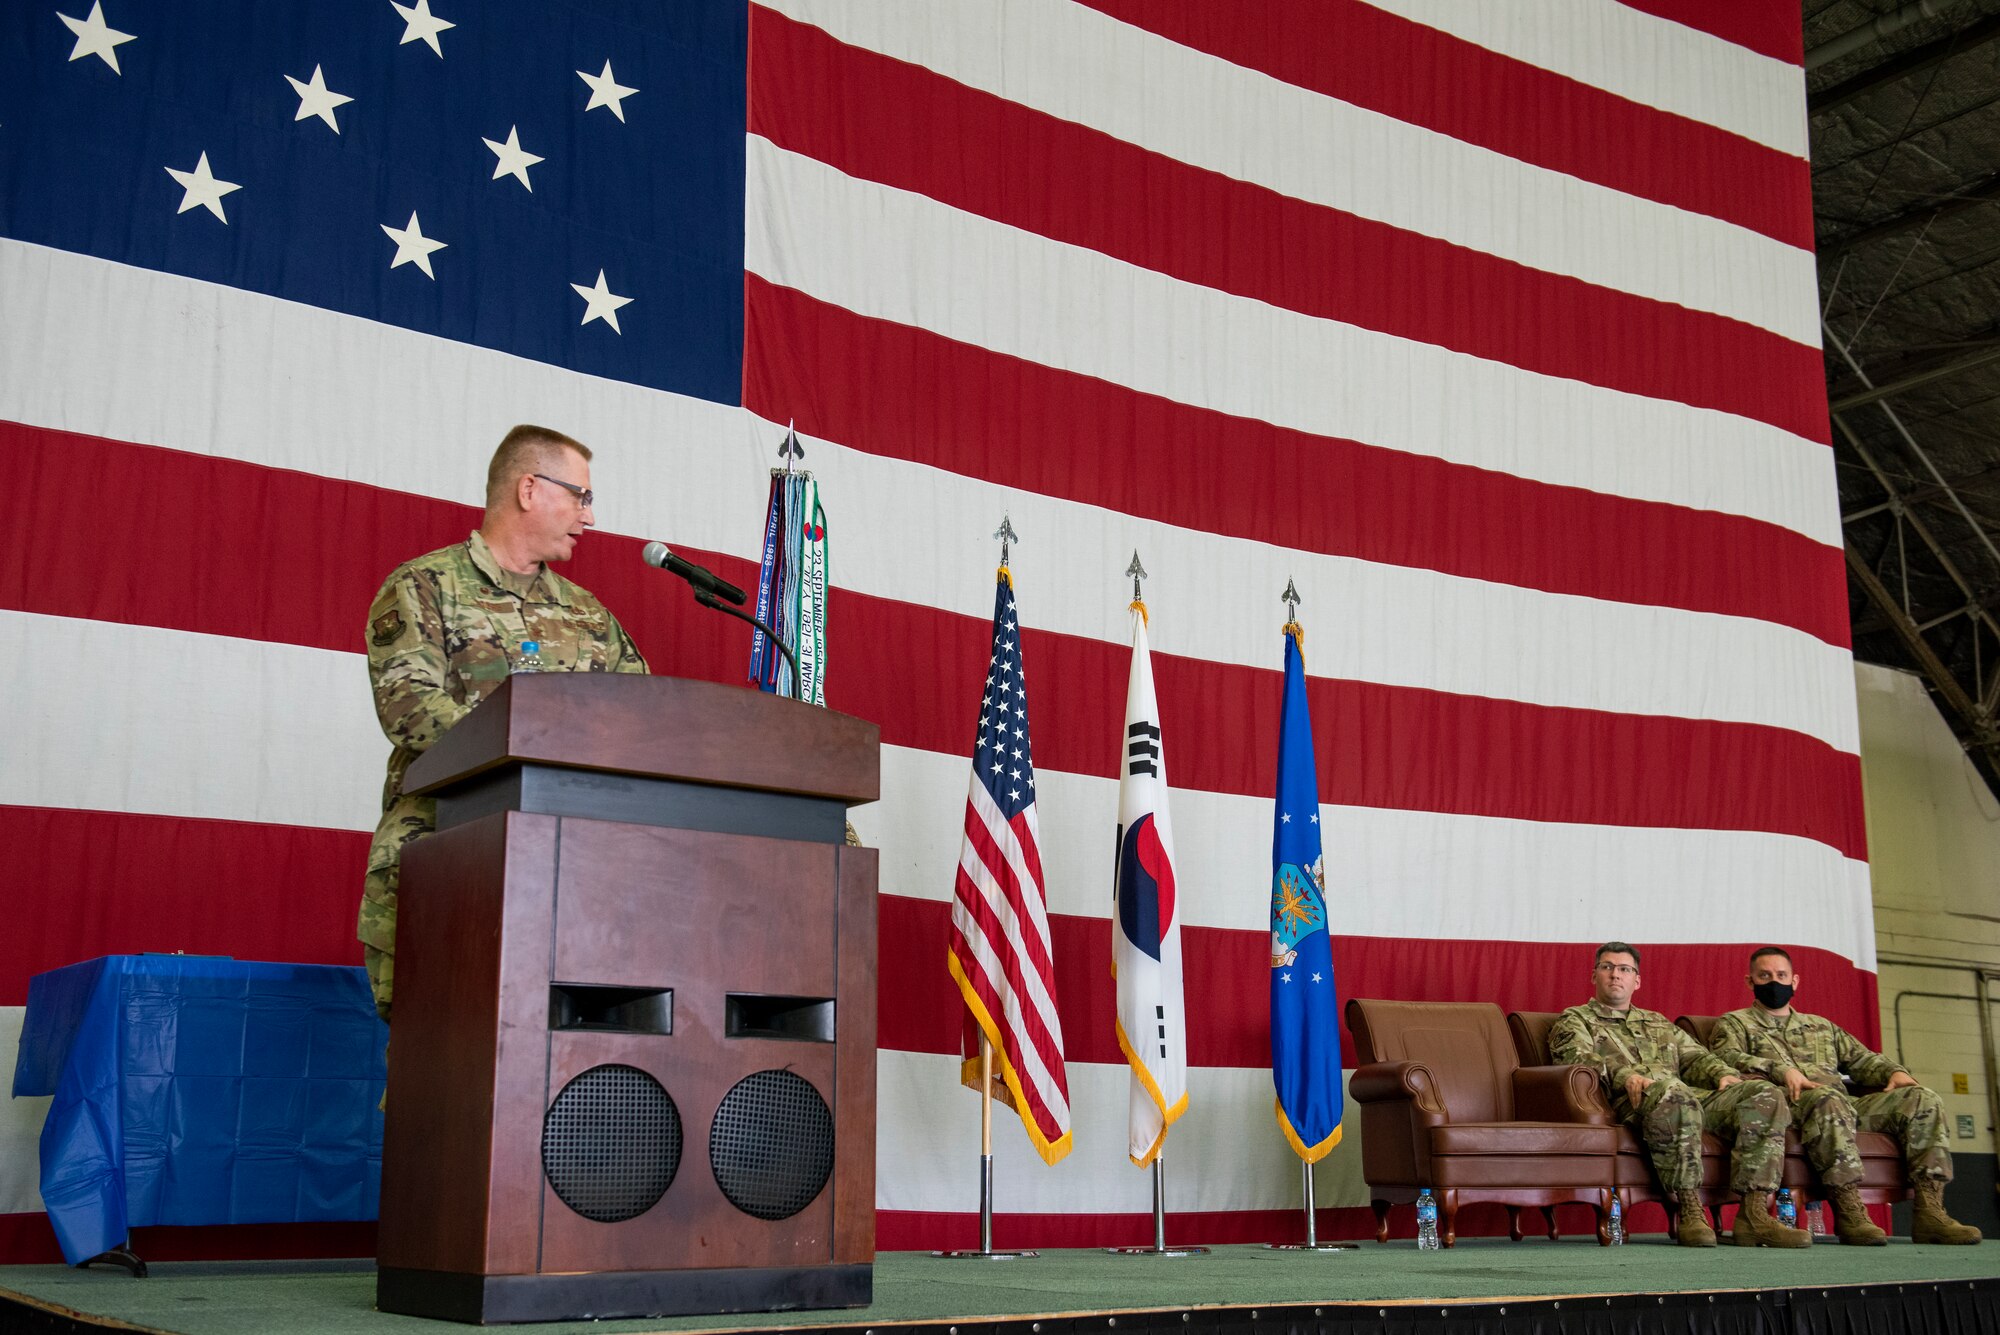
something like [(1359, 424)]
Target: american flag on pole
[(1001, 953), (1496, 321)]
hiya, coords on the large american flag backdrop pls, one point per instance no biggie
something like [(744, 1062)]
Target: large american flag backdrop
[(1492, 326)]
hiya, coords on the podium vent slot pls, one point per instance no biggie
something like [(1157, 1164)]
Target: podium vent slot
[(801, 1019), (771, 1145), (611, 1010), (611, 1143)]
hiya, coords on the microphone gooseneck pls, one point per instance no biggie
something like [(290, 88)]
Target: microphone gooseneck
[(662, 557)]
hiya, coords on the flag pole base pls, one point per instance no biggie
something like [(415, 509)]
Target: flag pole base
[(1312, 1246), (1159, 1247), (1312, 1242), (985, 1251)]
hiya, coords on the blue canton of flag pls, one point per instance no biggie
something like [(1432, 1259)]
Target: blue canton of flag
[(1003, 760), (1305, 1008), (560, 182)]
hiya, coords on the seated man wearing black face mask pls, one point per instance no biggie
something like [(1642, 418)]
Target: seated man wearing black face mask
[(1808, 1054)]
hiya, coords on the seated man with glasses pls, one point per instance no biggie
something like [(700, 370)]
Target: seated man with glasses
[(1669, 1089), (448, 628)]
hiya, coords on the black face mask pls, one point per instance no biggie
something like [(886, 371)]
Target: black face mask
[(1773, 996)]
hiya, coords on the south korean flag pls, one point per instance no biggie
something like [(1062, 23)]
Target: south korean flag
[(1146, 934)]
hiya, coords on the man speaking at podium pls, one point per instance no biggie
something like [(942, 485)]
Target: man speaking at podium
[(450, 626)]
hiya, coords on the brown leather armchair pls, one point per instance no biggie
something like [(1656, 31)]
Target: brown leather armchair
[(1446, 1105), (1884, 1178)]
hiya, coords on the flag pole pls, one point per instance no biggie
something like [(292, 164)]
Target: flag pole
[(1159, 1247), (985, 1142), (1290, 598), (1312, 1242), (985, 1251)]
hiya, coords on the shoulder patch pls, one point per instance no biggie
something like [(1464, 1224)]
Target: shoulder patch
[(386, 629)]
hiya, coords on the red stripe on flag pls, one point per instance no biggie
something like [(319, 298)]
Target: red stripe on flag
[(881, 119), (906, 393), (1049, 1127), (115, 883), (1361, 55), (1032, 1028), (994, 859), (1768, 27), (920, 1230), (1229, 972), (302, 556), (28, 1239)]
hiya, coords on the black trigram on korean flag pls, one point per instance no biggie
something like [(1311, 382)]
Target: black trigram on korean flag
[(1142, 746)]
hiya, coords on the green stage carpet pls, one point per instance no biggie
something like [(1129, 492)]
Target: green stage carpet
[(306, 1297)]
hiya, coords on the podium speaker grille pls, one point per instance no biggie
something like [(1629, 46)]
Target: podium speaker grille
[(611, 1143), (771, 1146)]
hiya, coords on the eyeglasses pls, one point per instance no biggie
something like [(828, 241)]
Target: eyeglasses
[(584, 494), (1623, 970)]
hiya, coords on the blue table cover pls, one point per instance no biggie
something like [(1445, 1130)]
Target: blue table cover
[(202, 1091)]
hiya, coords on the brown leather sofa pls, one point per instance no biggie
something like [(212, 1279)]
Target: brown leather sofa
[(1447, 1105), (1882, 1164)]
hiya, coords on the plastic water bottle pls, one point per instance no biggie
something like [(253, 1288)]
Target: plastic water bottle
[(1617, 1221), (1815, 1219), (1788, 1209), (531, 657), (1427, 1222)]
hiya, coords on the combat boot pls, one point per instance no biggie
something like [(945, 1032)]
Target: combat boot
[(1851, 1221), (1931, 1224), (1756, 1226), (1691, 1225)]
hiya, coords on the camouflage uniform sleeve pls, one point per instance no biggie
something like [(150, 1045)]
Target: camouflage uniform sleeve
[(1865, 1066), (407, 664), (625, 655), (1731, 1042), (1699, 1066), (1572, 1044)]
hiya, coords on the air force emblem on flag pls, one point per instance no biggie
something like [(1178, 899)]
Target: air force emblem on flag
[(1298, 909)]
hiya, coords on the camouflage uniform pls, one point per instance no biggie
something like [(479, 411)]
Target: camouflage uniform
[(442, 635), (1672, 1113), (1759, 1043)]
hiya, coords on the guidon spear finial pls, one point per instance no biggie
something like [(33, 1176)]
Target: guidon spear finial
[(1007, 536), (1137, 572), (1290, 598), (789, 448)]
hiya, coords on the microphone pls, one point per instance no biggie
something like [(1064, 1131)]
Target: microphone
[(660, 556)]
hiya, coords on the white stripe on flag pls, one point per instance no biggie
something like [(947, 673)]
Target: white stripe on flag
[(899, 256), (150, 348), (20, 1126), (1639, 56), (176, 740), (1076, 64), (1215, 1159), (1015, 1005)]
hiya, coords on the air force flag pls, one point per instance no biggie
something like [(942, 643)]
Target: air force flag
[(1305, 1011), (1146, 936)]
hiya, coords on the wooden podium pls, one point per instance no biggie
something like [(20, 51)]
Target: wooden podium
[(632, 1070)]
